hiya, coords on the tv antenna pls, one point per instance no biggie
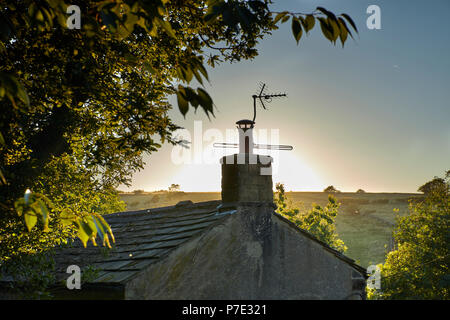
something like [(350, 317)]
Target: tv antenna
[(245, 127), (263, 96)]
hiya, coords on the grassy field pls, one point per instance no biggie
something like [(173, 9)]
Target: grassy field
[(365, 221)]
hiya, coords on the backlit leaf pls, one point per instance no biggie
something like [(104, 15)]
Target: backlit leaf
[(285, 18), (44, 214), (350, 20), (334, 27), (310, 21), (343, 31), (182, 101), (205, 100), (330, 15), (296, 29), (326, 29), (82, 234), (2, 178), (30, 219), (279, 16), (344, 26), (105, 226), (192, 97)]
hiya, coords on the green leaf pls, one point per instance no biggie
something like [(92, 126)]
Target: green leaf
[(82, 234), (296, 29), (197, 76), (323, 10), (303, 23), (90, 222), (202, 70), (343, 31), (182, 101), (44, 214), (310, 21), (2, 178), (106, 241), (192, 97), (99, 227), (286, 18), (188, 74), (22, 94), (279, 16), (86, 226), (104, 226), (19, 205), (185, 73), (342, 23), (335, 28), (86, 230), (329, 14), (30, 218), (205, 101), (347, 17), (326, 29)]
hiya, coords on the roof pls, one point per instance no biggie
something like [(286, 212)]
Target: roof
[(142, 238)]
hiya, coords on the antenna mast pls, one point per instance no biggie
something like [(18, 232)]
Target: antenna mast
[(245, 126), (267, 97)]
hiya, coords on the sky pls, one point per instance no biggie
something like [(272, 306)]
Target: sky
[(373, 115)]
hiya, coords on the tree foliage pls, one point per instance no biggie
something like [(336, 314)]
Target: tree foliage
[(419, 267), (330, 189), (73, 201), (31, 273), (319, 221), (281, 201), (174, 187), (433, 185), (80, 107)]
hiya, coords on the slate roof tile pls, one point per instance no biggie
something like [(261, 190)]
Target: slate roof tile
[(142, 238)]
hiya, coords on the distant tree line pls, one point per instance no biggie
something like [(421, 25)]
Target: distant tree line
[(332, 189)]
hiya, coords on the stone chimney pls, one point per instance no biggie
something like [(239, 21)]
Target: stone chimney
[(246, 181), (246, 177)]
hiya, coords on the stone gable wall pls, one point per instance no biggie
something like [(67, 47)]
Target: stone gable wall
[(252, 254)]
